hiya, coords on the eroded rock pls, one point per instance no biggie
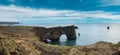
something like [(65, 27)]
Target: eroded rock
[(54, 33)]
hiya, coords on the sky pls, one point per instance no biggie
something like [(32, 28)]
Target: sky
[(60, 11)]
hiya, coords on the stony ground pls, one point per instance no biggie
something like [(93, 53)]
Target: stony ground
[(23, 41)]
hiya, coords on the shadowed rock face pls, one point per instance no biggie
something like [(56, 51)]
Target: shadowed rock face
[(54, 33)]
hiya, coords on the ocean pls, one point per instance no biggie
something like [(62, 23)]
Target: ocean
[(90, 33)]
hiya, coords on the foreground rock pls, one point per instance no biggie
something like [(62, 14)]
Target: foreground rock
[(24, 41), (100, 48)]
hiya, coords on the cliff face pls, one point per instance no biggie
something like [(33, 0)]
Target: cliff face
[(24, 41)]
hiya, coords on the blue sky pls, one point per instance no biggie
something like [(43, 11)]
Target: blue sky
[(59, 11)]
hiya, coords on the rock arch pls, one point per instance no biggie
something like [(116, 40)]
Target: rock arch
[(54, 33)]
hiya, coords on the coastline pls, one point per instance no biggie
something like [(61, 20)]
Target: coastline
[(22, 40)]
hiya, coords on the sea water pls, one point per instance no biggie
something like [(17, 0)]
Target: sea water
[(89, 33)]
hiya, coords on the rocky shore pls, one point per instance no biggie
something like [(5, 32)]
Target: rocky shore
[(22, 40)]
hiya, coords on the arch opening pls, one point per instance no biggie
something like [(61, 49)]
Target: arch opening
[(63, 38)]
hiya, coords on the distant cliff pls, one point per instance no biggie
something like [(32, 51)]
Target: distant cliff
[(9, 22)]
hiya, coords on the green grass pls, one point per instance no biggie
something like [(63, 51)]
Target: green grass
[(116, 45), (55, 49)]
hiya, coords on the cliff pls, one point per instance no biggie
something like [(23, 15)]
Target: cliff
[(22, 40)]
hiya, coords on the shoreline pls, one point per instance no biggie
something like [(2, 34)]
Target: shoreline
[(23, 41)]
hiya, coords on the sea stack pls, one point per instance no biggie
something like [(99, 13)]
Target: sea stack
[(108, 27)]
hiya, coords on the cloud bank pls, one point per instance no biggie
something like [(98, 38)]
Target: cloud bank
[(110, 2), (15, 13)]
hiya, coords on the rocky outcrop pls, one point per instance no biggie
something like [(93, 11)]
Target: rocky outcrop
[(54, 33), (100, 48)]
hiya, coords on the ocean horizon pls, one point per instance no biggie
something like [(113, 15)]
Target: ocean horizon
[(90, 33)]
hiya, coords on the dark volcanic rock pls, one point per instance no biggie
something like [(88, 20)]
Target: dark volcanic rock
[(55, 32)]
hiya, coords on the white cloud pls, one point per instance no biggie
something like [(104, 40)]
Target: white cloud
[(110, 2), (18, 13)]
